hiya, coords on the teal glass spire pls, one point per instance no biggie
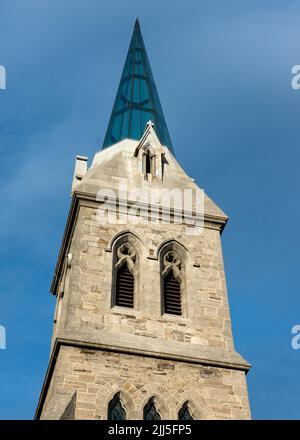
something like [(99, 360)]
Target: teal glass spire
[(137, 99)]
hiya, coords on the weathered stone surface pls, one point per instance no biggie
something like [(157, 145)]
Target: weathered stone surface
[(99, 349), (212, 390)]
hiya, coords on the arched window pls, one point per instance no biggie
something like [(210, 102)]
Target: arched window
[(116, 411), (184, 412), (124, 267), (171, 283), (150, 411), (149, 165)]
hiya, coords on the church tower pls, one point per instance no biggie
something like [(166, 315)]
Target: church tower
[(142, 327)]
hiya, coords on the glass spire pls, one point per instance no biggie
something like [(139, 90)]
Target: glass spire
[(137, 99)]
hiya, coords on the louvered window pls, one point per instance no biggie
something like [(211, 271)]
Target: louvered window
[(124, 287), (172, 294)]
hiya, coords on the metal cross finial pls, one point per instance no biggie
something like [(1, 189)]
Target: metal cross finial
[(150, 124)]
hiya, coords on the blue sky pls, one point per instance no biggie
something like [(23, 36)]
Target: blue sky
[(223, 73)]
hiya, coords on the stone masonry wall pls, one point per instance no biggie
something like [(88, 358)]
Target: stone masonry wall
[(86, 304), (214, 393), (141, 352)]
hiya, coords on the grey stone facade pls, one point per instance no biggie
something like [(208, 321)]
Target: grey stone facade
[(99, 349)]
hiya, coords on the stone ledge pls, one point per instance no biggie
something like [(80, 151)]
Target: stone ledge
[(143, 346)]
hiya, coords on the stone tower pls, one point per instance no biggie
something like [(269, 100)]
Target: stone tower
[(142, 327)]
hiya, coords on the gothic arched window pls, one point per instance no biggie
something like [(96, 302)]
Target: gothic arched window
[(149, 166), (116, 411), (124, 267), (171, 283), (150, 411), (148, 163), (184, 412)]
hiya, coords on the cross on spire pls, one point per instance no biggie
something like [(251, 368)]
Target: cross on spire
[(150, 124)]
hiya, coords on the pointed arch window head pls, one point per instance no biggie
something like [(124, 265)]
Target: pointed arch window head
[(172, 280), (150, 411), (116, 411), (125, 269), (184, 412)]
